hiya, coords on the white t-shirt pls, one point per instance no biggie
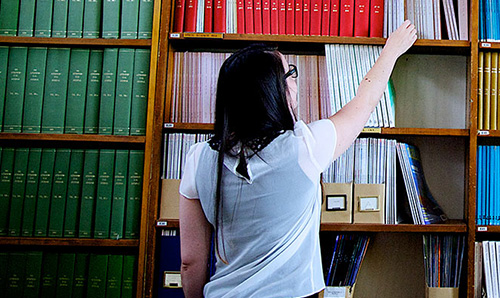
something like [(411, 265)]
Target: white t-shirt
[(270, 221)]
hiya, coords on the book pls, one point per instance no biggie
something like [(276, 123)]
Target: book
[(88, 196), (26, 17), (108, 89), (59, 192), (282, 17), (208, 20), (35, 83), (179, 13), (257, 14), (44, 191), (134, 194), (80, 275), (140, 93), (129, 19), (123, 93), (6, 169), (15, 274), (93, 95), (120, 178), (31, 191), (145, 27), (361, 18), (65, 275), (376, 18), (306, 17), (75, 18), (3, 270), (4, 59), (9, 14), (104, 193), (190, 15), (60, 18), (334, 17), (18, 190), (111, 12), (77, 90), (43, 18), (14, 96), (49, 274), (480, 102), (92, 18), (316, 13), (129, 276), (73, 192), (346, 18), (266, 16), (249, 17), (114, 276), (325, 18), (55, 91), (170, 261), (97, 276), (32, 273), (290, 17)]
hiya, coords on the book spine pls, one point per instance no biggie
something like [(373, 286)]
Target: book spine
[(92, 18), (290, 17), (119, 194), (6, 169), (123, 94), (4, 60), (190, 16), (55, 93), (108, 88), (89, 189), (134, 194), (35, 83), (249, 18), (33, 273), (9, 14), (14, 96), (274, 22), (219, 22), (91, 121), (315, 17), (98, 267), (73, 192), (26, 18), (208, 21), (59, 191), (334, 18), (75, 18), (31, 191), (325, 18), (130, 19), (129, 276), (15, 274), (111, 18), (104, 193), (44, 191), (298, 17), (179, 13), (65, 272), (145, 27), (257, 14), (4, 257), (346, 17), (376, 18), (80, 275), (306, 17), (114, 276), (140, 92), (17, 193), (43, 18), (240, 16), (361, 18), (77, 90), (266, 17), (282, 17), (60, 18), (49, 275)]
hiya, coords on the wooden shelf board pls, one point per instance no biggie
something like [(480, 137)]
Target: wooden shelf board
[(72, 137), (21, 40), (68, 242)]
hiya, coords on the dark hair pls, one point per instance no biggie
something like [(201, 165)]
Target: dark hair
[(251, 109)]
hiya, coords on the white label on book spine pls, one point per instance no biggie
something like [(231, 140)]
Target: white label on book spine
[(482, 229), (483, 132)]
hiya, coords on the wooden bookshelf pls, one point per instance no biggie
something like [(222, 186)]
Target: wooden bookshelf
[(82, 42), (79, 242), (72, 138)]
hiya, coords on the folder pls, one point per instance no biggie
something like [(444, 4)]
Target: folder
[(169, 205), (369, 203), (337, 292), (441, 292), (337, 203)]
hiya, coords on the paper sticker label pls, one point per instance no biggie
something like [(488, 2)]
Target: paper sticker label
[(336, 202), (172, 279), (368, 204), (335, 292)]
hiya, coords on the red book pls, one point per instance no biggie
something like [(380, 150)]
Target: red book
[(240, 16), (257, 14), (208, 17), (376, 18), (361, 18), (334, 18), (219, 16), (274, 17), (315, 17), (346, 17), (282, 16), (249, 17), (290, 17), (266, 16), (306, 17), (298, 17), (179, 15), (325, 18), (190, 21)]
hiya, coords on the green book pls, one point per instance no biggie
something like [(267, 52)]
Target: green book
[(89, 189), (123, 94), (74, 192), (129, 276), (31, 191), (33, 97), (130, 19), (15, 274), (6, 168), (32, 274), (91, 123), (17, 193), (75, 18), (92, 18), (111, 18), (145, 19), (98, 267), (108, 88), (26, 18), (4, 60), (80, 275), (60, 18), (56, 83), (4, 257), (114, 276), (44, 191), (43, 18), (140, 93), (104, 193), (119, 194), (77, 90), (49, 275), (59, 190), (65, 271), (134, 194), (9, 14), (14, 96)]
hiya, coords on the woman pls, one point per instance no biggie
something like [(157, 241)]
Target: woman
[(256, 182)]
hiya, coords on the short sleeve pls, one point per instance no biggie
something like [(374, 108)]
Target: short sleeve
[(321, 139), (187, 187)]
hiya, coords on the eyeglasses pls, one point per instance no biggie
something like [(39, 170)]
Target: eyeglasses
[(292, 72)]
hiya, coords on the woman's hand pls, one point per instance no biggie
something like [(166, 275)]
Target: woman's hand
[(401, 40)]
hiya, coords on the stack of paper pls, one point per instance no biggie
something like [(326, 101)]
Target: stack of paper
[(175, 149)]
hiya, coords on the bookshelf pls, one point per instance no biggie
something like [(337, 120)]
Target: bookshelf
[(136, 247)]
